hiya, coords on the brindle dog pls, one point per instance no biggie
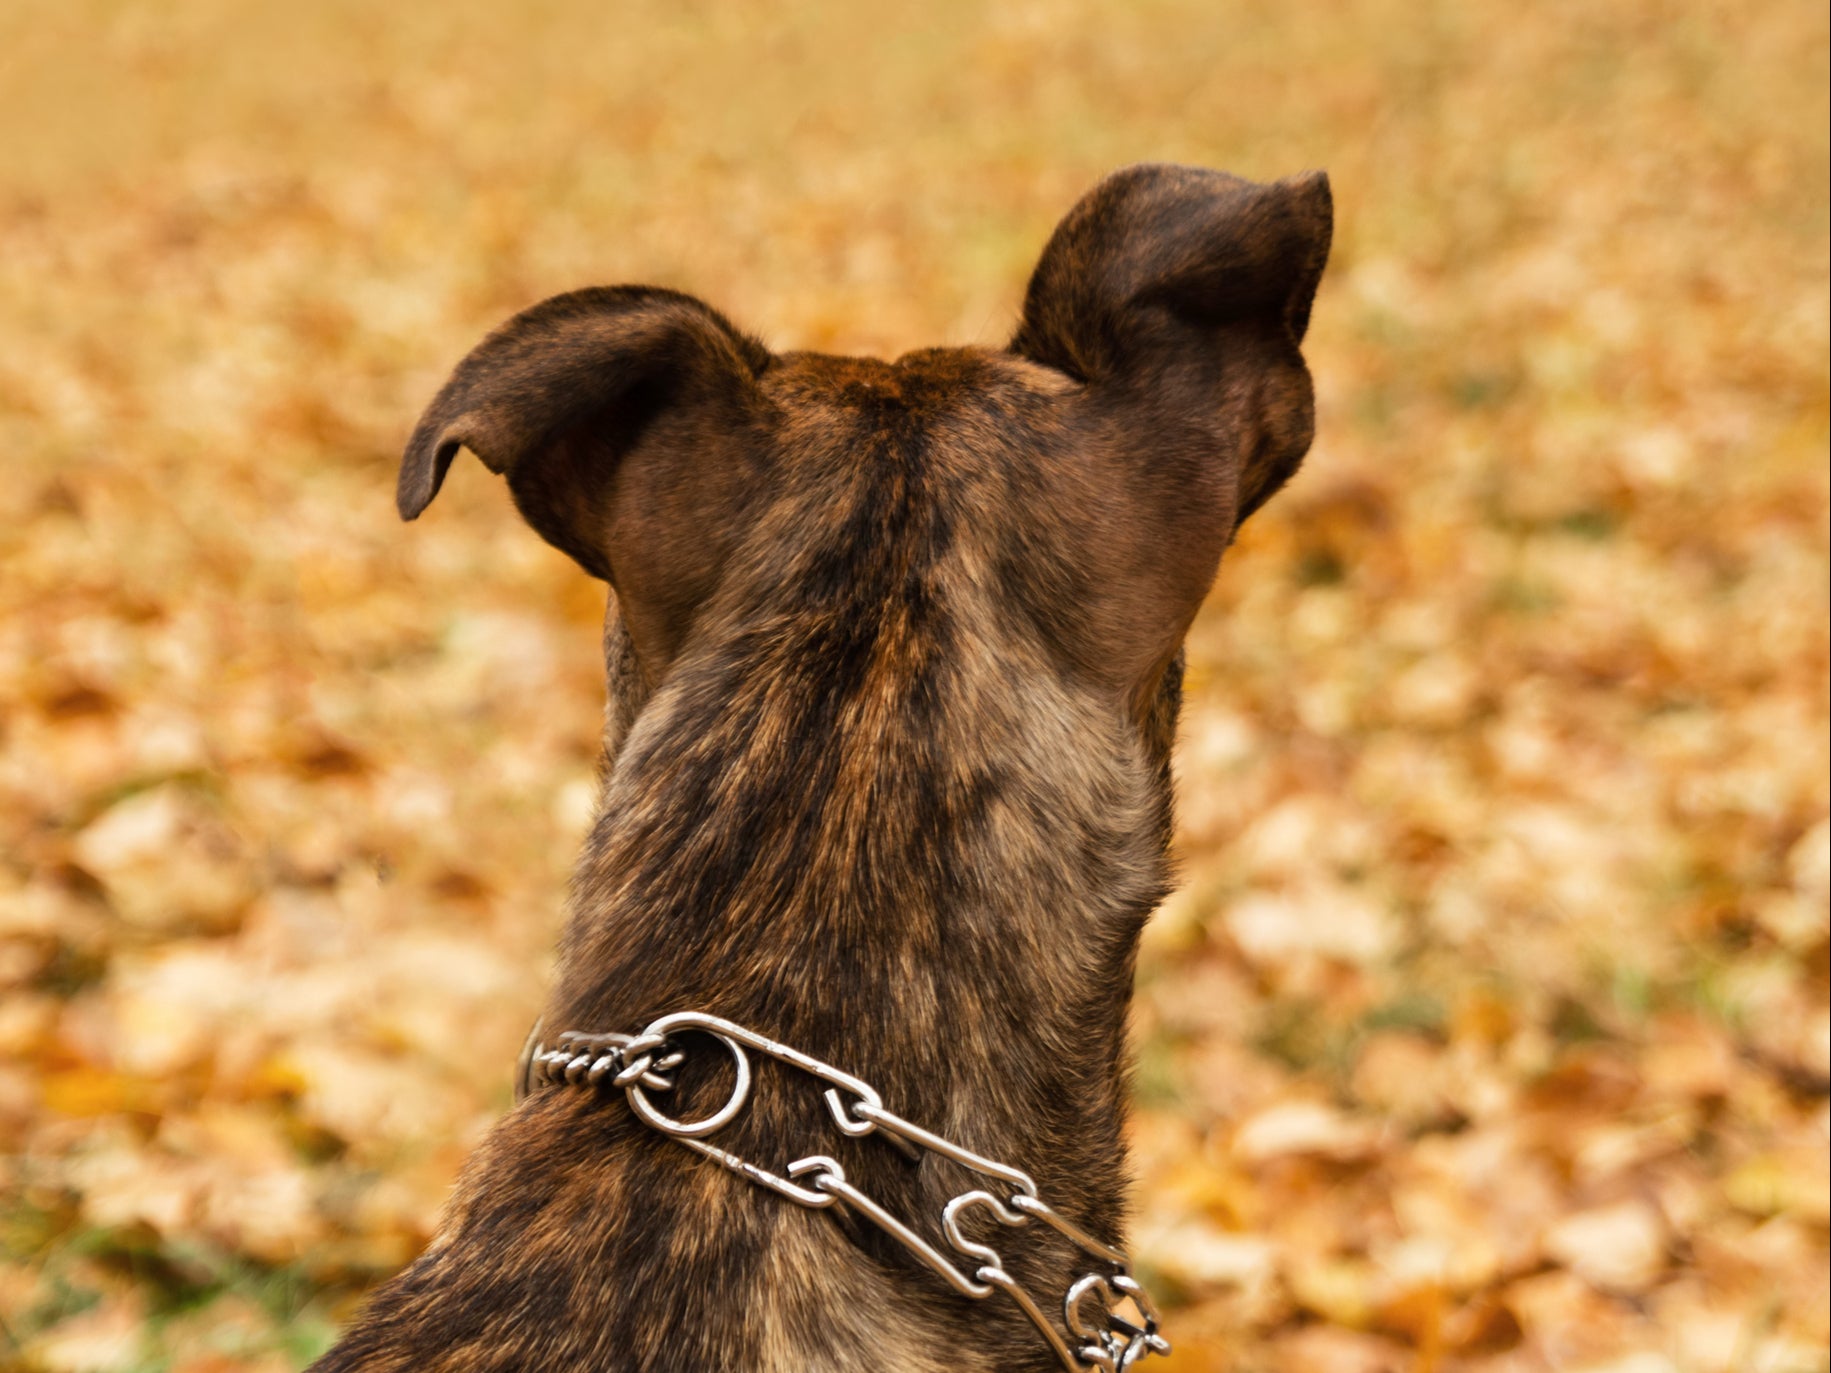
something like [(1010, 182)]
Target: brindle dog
[(894, 660)]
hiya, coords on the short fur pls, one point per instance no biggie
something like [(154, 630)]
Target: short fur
[(894, 657)]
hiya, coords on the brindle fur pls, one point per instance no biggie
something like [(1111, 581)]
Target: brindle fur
[(894, 656)]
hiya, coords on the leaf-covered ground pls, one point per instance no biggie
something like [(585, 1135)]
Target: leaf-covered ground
[(1489, 1031)]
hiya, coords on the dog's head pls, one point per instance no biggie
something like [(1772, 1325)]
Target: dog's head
[(1071, 494)]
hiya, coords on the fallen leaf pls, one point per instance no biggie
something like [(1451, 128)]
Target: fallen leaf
[(1303, 1127), (1791, 1183), (1620, 1247)]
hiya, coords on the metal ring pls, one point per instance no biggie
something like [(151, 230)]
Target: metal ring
[(740, 1093), (1071, 1305), (950, 1224), (828, 1169), (847, 1123), (524, 1062)]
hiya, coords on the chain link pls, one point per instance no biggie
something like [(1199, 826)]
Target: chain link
[(1107, 1321)]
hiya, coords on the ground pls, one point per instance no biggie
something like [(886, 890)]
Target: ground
[(1488, 1031)]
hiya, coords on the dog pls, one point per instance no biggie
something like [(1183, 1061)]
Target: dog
[(894, 655)]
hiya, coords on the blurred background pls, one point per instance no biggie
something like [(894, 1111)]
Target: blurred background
[(1488, 1031)]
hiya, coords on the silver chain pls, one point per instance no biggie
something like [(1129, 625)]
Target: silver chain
[(1109, 1321)]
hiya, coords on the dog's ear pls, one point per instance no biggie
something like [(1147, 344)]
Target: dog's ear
[(1178, 298), (1204, 247), (1190, 290), (620, 417)]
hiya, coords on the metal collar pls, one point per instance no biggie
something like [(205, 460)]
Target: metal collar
[(1108, 1322)]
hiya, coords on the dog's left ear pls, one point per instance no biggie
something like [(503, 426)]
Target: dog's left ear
[(621, 417)]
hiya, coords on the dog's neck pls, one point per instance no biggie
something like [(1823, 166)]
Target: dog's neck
[(924, 865)]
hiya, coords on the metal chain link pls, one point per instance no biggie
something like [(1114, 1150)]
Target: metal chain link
[(1108, 1321)]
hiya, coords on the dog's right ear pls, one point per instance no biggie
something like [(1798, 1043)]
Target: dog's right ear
[(620, 418), (1190, 289), (1177, 298)]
